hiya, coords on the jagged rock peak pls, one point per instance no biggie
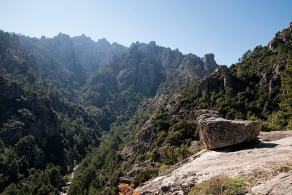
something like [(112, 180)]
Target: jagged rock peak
[(209, 57), (209, 61), (103, 42), (62, 36), (83, 37), (152, 43)]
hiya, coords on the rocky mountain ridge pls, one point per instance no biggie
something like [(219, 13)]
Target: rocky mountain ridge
[(163, 131), (144, 71), (60, 96)]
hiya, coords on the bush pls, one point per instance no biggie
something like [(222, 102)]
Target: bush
[(276, 121), (144, 175), (289, 127), (163, 168), (220, 185), (266, 127), (171, 154), (253, 117)]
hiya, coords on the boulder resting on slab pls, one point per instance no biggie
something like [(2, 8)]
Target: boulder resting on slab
[(216, 132)]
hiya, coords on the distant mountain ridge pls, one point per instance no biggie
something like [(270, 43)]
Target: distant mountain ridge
[(144, 70), (68, 63), (61, 95), (101, 74)]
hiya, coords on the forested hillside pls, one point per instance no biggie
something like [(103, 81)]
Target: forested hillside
[(59, 96), (41, 132), (258, 87), (163, 130)]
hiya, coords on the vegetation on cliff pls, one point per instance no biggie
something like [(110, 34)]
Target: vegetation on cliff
[(60, 96), (162, 130)]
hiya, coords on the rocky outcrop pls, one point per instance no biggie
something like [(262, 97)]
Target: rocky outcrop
[(272, 79), (210, 84), (209, 63), (257, 164), (283, 37), (194, 66), (220, 80), (218, 132), (204, 113)]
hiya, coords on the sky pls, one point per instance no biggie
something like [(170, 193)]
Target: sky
[(226, 28)]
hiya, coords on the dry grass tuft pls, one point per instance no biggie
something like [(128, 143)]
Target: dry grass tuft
[(220, 185)]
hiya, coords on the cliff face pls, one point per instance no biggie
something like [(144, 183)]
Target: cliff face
[(26, 112), (145, 70), (146, 66), (32, 113), (67, 62)]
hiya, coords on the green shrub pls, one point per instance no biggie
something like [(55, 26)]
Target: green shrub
[(220, 185), (276, 121), (171, 154), (253, 117), (266, 127), (289, 127), (163, 168), (144, 175), (173, 138)]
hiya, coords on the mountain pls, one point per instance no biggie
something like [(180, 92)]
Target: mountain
[(144, 71), (93, 55), (124, 114), (67, 63), (106, 77), (163, 132), (59, 97)]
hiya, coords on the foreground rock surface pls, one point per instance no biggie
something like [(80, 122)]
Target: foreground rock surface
[(257, 164), (278, 185), (218, 132)]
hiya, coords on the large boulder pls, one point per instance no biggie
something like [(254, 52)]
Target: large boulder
[(216, 132)]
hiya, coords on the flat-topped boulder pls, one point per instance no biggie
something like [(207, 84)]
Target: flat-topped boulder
[(216, 132)]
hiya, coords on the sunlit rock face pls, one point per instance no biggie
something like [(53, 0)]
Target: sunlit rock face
[(216, 132)]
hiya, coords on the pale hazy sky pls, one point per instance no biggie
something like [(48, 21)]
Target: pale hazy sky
[(226, 28)]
